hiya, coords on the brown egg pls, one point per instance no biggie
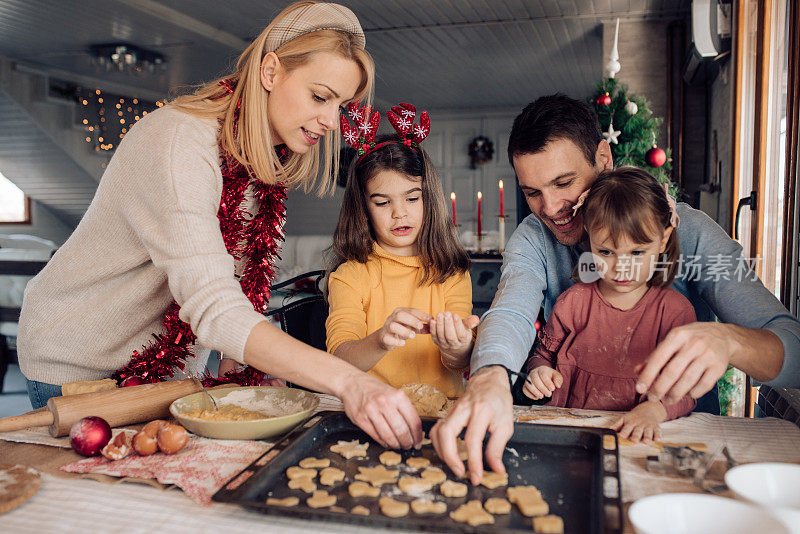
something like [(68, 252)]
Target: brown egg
[(152, 428), (172, 438), (144, 444)]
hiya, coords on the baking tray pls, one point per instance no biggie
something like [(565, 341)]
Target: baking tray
[(576, 469)]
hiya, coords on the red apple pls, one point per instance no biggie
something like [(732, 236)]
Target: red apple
[(132, 381), (89, 435)]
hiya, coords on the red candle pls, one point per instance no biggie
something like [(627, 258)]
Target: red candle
[(453, 200), (479, 212), (502, 203)]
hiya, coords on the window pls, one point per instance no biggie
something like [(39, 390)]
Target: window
[(14, 205)]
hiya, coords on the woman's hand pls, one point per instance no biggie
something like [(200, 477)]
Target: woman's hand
[(542, 382), (402, 324), (642, 423), (381, 411), (453, 336)]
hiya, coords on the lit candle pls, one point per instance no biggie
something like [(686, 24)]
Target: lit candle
[(453, 200), (502, 203), (479, 212)]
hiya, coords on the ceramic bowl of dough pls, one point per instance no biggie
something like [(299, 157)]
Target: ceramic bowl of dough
[(771, 484), (282, 409), (694, 513)]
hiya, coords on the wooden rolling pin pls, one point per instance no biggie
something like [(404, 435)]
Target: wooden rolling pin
[(122, 406)]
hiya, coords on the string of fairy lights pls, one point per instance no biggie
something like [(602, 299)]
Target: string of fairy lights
[(107, 117)]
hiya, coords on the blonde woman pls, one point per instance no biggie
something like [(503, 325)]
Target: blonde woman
[(177, 245)]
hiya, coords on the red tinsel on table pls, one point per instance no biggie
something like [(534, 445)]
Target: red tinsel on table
[(252, 238)]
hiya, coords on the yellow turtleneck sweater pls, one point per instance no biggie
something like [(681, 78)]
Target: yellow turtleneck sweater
[(363, 295)]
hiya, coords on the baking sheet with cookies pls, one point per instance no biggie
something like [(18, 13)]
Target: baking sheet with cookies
[(574, 471)]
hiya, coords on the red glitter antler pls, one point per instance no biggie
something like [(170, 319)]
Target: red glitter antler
[(362, 135), (402, 119)]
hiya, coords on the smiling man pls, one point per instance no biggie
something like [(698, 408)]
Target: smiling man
[(557, 151)]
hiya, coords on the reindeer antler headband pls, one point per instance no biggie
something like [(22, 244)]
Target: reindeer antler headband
[(362, 135)]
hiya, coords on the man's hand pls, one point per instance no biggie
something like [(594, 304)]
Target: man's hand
[(692, 357), (486, 406)]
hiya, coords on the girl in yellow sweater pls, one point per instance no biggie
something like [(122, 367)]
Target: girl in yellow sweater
[(399, 291)]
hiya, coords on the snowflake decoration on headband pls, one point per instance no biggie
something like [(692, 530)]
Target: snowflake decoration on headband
[(362, 135)]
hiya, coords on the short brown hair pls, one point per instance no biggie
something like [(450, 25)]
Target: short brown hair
[(628, 201)]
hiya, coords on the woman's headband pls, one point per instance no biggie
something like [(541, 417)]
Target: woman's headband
[(312, 18)]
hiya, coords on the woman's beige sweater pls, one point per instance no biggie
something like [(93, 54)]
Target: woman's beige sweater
[(150, 235)]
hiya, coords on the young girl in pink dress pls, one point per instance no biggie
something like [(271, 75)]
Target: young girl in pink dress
[(600, 331)]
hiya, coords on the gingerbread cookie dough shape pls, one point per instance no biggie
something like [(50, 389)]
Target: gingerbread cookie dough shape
[(298, 472), (287, 502), (18, 483), (330, 476), (548, 524), (377, 476), (497, 506), (314, 463), (303, 483), (528, 499), (434, 475), (428, 506), (359, 510), (453, 489), (362, 489), (350, 449), (493, 480), (393, 508), (473, 514), (414, 484), (321, 499), (417, 462), (389, 458)]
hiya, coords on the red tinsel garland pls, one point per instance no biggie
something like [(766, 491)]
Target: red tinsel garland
[(255, 238)]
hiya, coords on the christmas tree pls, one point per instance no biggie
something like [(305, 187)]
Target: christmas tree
[(628, 124), (631, 130)]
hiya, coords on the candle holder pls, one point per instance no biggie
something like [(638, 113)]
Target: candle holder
[(501, 227), (480, 242)]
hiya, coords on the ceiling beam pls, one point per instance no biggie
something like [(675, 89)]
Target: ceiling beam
[(123, 89), (177, 18), (599, 17)]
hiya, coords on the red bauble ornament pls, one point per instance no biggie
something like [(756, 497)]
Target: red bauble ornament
[(655, 157), (89, 435), (603, 100), (132, 381)]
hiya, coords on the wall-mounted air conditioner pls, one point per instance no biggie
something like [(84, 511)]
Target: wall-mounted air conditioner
[(711, 40)]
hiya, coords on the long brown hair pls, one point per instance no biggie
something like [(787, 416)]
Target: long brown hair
[(628, 201), (441, 253), (247, 139)]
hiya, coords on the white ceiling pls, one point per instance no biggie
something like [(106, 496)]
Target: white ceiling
[(443, 54)]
